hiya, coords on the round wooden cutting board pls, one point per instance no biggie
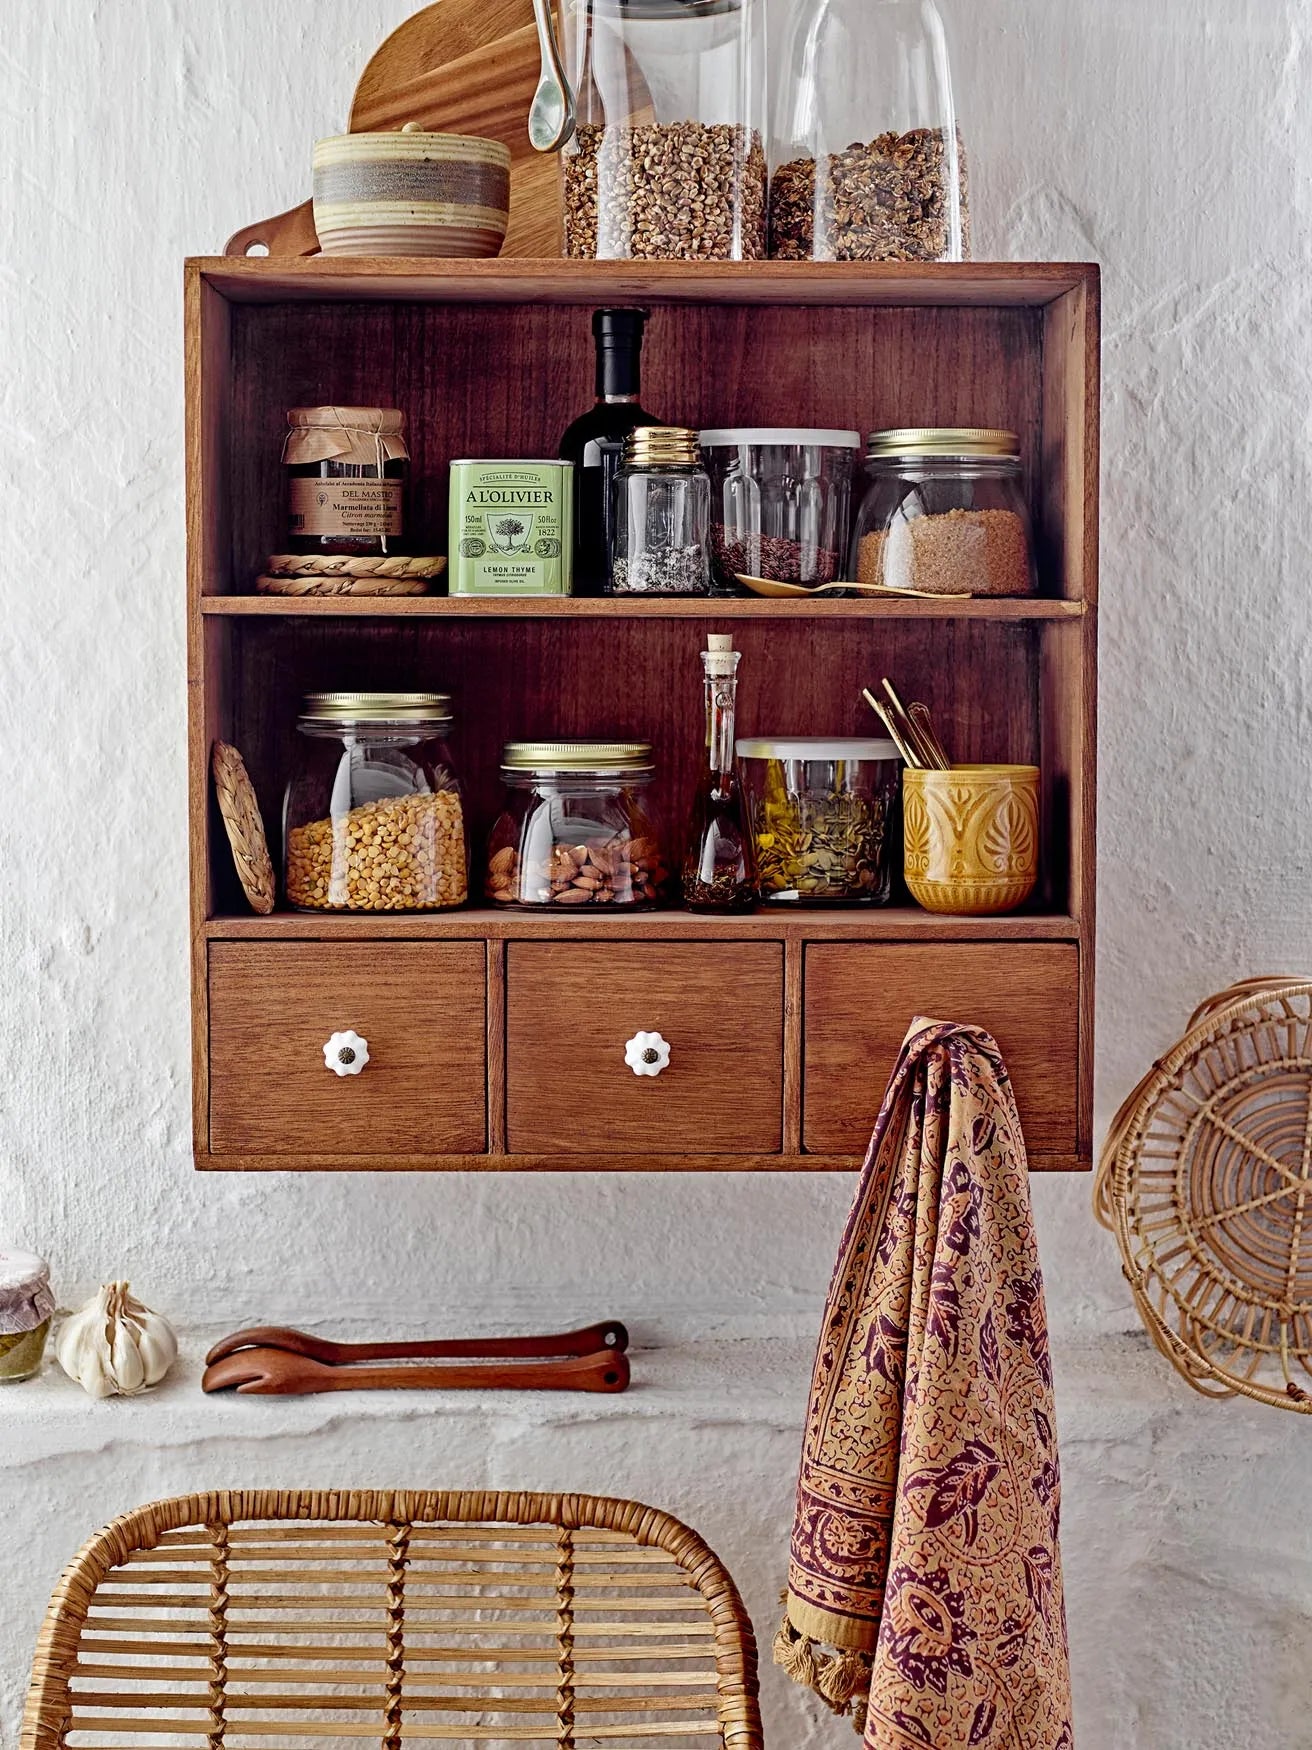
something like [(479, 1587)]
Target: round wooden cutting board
[(456, 67)]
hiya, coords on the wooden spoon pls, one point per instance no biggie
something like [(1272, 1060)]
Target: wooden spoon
[(767, 586), (277, 1373), (611, 1335), (457, 67)]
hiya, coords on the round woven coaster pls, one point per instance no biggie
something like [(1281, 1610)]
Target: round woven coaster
[(296, 574), (340, 586), (242, 818), (1206, 1181)]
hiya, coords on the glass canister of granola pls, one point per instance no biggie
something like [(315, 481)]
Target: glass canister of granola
[(374, 818), (868, 160)]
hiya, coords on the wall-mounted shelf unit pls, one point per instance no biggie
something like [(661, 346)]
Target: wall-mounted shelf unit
[(497, 1038)]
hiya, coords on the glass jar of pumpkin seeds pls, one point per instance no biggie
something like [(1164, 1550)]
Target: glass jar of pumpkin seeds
[(820, 812)]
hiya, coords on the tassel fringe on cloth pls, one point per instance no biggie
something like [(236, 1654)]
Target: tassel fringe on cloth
[(924, 1582)]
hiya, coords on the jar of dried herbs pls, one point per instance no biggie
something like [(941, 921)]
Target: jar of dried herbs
[(346, 475), (868, 161), (820, 813), (662, 520), (26, 1308)]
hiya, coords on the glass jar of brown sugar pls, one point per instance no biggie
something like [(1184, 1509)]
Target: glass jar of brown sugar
[(347, 469)]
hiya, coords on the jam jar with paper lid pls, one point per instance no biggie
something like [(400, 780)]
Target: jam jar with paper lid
[(668, 161), (27, 1306), (374, 818), (867, 158), (577, 830), (945, 512), (347, 469)]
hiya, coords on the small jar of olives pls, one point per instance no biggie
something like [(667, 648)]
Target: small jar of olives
[(26, 1308)]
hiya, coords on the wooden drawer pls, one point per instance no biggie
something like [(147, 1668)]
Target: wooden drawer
[(422, 1009), (570, 1012), (860, 1000)]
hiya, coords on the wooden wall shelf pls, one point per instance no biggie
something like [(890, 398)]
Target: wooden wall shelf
[(497, 1037)]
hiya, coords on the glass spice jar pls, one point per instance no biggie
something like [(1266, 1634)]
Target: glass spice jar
[(346, 474), (945, 512), (576, 830), (374, 819), (780, 504), (26, 1308), (662, 515)]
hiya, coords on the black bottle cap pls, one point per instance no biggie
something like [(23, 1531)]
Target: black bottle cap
[(618, 334)]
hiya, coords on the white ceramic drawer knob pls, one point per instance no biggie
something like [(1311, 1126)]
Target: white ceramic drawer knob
[(346, 1054), (647, 1054)]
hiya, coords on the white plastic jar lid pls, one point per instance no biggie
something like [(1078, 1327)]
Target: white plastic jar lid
[(731, 437), (815, 747)]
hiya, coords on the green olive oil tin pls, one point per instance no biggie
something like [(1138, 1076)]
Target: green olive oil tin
[(512, 528)]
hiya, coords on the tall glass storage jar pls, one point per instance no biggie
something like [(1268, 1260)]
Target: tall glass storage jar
[(669, 160), (373, 819), (868, 160)]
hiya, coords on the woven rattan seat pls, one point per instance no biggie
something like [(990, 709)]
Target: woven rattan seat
[(246, 1621)]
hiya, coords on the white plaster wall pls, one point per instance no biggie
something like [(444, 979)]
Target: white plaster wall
[(1172, 140)]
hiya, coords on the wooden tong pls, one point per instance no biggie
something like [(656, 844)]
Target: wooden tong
[(274, 1360)]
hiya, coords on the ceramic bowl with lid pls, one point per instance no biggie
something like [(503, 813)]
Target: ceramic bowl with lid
[(780, 502), (820, 816), (576, 831), (411, 193)]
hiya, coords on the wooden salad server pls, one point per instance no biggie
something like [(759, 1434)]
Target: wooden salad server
[(611, 1334), (279, 1373), (458, 67)]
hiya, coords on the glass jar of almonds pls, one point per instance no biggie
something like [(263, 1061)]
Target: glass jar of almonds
[(576, 831), (374, 819)]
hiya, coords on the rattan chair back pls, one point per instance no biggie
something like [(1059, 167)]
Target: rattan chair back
[(1206, 1181), (246, 1621)]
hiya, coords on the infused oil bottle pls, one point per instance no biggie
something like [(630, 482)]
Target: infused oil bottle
[(717, 874)]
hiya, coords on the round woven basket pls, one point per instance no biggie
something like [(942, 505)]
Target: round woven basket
[(1206, 1181)]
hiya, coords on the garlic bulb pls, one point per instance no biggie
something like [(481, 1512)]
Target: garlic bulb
[(116, 1345)]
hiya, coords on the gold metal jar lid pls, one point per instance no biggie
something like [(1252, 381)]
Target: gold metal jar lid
[(620, 757), (339, 710), (947, 441), (657, 446)]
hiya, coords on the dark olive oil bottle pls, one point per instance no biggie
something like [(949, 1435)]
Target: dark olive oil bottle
[(595, 441)]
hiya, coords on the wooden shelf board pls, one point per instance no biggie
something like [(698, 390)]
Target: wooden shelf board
[(878, 924), (564, 1163), (613, 607), (397, 279)]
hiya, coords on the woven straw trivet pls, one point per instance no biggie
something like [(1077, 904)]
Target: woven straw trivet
[(293, 574), (241, 816), (1206, 1181)]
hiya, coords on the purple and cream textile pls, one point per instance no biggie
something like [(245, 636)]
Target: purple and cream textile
[(924, 1585)]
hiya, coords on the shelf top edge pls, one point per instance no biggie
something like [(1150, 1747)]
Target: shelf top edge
[(273, 279), (614, 608)]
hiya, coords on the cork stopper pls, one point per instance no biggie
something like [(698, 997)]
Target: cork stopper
[(720, 658)]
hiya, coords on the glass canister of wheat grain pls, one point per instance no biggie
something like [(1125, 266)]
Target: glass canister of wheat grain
[(868, 160), (668, 162)]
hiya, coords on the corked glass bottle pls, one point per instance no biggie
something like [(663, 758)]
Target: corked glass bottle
[(717, 874)]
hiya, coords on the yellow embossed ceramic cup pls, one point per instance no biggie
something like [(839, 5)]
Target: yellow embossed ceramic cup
[(971, 838)]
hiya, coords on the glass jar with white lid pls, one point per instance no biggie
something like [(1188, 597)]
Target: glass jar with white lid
[(820, 813), (781, 501)]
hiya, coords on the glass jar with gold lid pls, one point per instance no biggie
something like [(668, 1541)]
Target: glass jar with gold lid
[(373, 818), (576, 830), (662, 515), (945, 511)]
